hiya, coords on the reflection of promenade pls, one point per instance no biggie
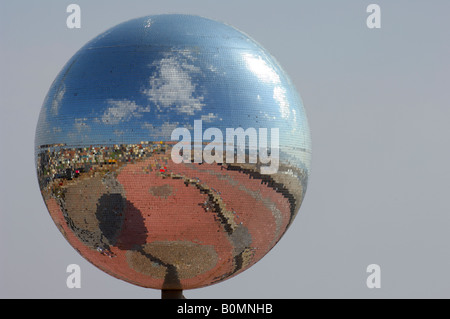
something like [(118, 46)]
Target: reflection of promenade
[(56, 162), (131, 209), (241, 217), (60, 164)]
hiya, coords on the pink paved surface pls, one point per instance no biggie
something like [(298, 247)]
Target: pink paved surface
[(180, 216)]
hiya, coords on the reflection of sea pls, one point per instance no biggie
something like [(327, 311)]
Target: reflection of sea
[(296, 156)]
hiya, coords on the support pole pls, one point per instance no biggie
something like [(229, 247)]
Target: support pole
[(172, 294)]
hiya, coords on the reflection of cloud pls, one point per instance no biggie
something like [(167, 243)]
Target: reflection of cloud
[(148, 23), (122, 110), (267, 73), (212, 68), (172, 84), (119, 132), (57, 99), (80, 124), (279, 94), (265, 115), (209, 118), (80, 132), (163, 131), (262, 70)]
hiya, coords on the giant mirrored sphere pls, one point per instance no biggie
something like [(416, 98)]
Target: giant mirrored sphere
[(173, 152)]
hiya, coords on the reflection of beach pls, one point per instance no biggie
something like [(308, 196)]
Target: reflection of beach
[(164, 224)]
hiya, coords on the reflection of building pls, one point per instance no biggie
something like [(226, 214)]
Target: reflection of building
[(58, 162)]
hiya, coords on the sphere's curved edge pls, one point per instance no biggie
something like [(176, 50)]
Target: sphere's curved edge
[(107, 162)]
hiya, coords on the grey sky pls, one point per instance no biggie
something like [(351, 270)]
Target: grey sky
[(377, 103)]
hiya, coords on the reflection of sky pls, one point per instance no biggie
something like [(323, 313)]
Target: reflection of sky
[(113, 91)]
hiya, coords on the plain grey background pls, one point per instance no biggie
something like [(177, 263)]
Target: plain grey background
[(378, 106)]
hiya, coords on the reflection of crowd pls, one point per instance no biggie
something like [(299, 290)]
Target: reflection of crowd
[(69, 163), (207, 205), (106, 252)]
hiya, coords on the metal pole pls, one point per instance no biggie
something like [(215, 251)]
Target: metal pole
[(172, 294)]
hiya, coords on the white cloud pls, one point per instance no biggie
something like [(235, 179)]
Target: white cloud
[(172, 84), (164, 131), (80, 125), (267, 73), (267, 116), (261, 69), (148, 23), (80, 133), (279, 94), (209, 118), (56, 103), (122, 110), (119, 132)]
